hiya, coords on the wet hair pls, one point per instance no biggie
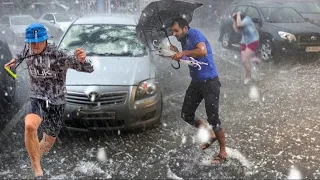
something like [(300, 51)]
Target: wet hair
[(242, 15), (181, 22)]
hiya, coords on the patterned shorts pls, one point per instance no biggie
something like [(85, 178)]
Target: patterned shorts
[(51, 115)]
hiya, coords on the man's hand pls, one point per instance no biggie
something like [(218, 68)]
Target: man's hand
[(11, 64), (178, 56), (81, 55), (173, 48)]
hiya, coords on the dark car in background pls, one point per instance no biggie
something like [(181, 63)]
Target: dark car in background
[(7, 84), (282, 29)]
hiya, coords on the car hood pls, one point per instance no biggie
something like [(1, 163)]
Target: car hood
[(297, 28), (115, 71)]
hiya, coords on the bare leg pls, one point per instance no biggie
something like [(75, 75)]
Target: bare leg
[(223, 152), (32, 122), (246, 57), (46, 144)]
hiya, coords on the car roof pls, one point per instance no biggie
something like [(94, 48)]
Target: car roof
[(26, 15), (106, 19)]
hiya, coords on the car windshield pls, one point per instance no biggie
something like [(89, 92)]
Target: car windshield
[(281, 15), (305, 7), (64, 18), (104, 40), (22, 20)]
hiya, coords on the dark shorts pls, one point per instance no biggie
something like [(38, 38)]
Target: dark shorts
[(197, 91), (51, 115), (253, 46)]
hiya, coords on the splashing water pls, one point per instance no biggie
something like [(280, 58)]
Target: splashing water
[(294, 173), (203, 134), (102, 155), (254, 94)]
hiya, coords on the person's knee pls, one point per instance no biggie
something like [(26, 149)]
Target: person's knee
[(32, 122)]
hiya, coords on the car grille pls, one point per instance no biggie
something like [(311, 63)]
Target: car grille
[(309, 39), (104, 99)]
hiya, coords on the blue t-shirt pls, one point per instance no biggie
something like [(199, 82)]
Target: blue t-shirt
[(249, 31), (209, 71)]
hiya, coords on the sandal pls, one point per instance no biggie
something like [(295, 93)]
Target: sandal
[(219, 159), (208, 144)]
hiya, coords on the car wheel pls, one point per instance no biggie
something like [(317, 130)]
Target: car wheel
[(226, 43), (266, 50)]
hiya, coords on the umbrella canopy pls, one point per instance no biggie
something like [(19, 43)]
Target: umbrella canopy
[(155, 20)]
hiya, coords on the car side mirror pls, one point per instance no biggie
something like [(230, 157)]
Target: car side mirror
[(52, 21)]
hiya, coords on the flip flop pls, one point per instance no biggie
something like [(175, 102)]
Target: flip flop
[(208, 144), (220, 159)]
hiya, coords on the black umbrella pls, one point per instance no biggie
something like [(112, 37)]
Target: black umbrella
[(156, 17)]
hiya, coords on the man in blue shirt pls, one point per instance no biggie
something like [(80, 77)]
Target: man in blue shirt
[(205, 83)]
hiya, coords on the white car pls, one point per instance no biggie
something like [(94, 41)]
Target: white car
[(60, 20), (123, 92)]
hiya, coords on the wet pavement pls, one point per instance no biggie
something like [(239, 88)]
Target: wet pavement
[(271, 125)]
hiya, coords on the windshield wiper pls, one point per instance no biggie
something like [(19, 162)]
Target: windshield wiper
[(110, 54)]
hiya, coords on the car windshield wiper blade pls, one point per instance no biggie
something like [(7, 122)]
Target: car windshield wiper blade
[(109, 54)]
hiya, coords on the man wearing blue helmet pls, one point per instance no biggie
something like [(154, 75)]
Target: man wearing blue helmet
[(47, 67)]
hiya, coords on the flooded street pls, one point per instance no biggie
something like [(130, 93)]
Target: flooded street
[(271, 126)]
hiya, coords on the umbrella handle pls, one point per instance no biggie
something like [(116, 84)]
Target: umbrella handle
[(10, 72), (176, 67)]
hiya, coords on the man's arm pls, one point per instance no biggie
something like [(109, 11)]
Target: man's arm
[(198, 52)]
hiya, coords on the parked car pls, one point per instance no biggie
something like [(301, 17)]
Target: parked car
[(60, 20), (12, 28), (7, 84), (37, 9), (282, 29), (123, 91), (309, 9)]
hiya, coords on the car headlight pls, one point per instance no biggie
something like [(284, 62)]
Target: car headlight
[(146, 89), (287, 36)]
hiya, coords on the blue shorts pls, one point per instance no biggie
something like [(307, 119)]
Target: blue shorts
[(51, 115)]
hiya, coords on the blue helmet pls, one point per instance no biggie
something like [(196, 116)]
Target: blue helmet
[(36, 32)]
